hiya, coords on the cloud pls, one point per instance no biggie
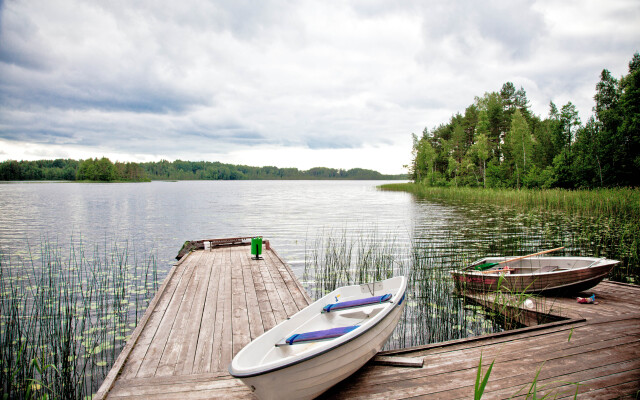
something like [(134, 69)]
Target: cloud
[(149, 79)]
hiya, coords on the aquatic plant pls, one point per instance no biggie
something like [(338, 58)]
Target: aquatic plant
[(533, 392), (481, 380), (433, 313), (65, 318), (599, 223)]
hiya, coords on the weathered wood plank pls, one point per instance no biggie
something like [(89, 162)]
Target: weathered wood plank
[(272, 293), (391, 361), (193, 324), (158, 312), (296, 292), (159, 342), (219, 316), (204, 349), (459, 382), (264, 304), (240, 311), (256, 327), (518, 349), (282, 290), (226, 345), (182, 328)]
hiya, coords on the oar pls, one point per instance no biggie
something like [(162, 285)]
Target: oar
[(482, 267)]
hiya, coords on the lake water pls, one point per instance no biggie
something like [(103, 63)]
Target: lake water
[(161, 216)]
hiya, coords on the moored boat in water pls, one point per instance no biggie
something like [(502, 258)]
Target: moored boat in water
[(322, 344), (557, 275)]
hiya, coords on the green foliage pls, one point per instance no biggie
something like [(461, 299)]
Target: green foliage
[(481, 382), (198, 170), (103, 170), (499, 143), (41, 170)]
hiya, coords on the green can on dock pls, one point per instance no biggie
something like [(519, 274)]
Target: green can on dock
[(256, 246)]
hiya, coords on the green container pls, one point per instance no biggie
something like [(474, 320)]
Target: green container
[(256, 246)]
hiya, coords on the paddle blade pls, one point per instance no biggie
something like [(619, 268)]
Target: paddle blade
[(484, 266)]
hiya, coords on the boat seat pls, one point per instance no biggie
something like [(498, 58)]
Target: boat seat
[(314, 336), (356, 303)]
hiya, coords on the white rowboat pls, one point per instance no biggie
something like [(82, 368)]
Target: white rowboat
[(322, 344)]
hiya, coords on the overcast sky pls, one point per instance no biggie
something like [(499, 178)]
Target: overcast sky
[(287, 83)]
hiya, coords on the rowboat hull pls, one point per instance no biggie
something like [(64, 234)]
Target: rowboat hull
[(548, 275), (304, 371)]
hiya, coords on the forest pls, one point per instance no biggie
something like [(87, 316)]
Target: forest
[(103, 170), (498, 142)]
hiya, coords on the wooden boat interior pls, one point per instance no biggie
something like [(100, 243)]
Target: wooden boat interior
[(540, 265)]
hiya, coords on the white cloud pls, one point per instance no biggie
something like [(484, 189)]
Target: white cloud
[(285, 83)]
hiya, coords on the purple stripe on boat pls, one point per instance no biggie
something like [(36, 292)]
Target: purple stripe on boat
[(320, 335), (357, 303)]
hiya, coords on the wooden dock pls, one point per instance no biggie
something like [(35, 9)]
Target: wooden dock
[(214, 302), (597, 346)]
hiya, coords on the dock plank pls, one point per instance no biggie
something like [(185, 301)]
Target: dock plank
[(193, 324), (256, 327), (264, 304), (240, 313), (299, 296), (204, 349), (182, 327), (158, 344), (222, 340), (271, 290), (284, 296)]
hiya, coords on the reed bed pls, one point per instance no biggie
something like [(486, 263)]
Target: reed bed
[(600, 223), (434, 313), (66, 316), (620, 202)]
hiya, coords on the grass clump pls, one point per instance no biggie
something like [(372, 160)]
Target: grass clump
[(66, 316)]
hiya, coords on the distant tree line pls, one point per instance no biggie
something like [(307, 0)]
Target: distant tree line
[(41, 170), (498, 142), (104, 170), (206, 170)]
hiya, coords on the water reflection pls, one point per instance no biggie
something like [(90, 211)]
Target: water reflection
[(160, 216)]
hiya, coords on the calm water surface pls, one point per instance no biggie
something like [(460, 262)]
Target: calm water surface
[(161, 216)]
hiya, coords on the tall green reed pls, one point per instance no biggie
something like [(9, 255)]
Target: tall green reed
[(599, 223), (434, 313), (65, 317)]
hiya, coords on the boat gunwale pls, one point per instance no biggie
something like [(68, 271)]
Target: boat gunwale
[(328, 349), (598, 263), (600, 269)]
